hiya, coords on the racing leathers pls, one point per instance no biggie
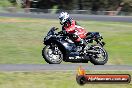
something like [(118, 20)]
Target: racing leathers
[(77, 32)]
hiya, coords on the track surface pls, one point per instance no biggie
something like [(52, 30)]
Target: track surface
[(62, 67), (75, 16), (66, 67)]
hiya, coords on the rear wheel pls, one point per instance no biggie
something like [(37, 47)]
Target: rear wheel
[(52, 55), (99, 58)]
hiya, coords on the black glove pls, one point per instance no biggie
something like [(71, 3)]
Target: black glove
[(64, 32)]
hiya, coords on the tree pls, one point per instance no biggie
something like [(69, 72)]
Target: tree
[(94, 5)]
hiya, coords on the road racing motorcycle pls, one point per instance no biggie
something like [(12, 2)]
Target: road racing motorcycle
[(60, 47)]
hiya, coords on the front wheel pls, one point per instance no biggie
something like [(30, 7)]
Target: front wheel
[(99, 58), (52, 55)]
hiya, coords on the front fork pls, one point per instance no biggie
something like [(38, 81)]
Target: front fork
[(100, 42), (54, 47)]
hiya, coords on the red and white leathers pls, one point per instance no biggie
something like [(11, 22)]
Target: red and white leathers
[(71, 27)]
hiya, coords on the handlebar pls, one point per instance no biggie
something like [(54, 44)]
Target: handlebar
[(61, 32), (54, 28)]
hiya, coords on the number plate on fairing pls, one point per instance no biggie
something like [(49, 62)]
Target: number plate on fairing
[(76, 57)]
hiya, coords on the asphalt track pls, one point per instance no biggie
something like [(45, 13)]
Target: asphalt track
[(66, 67), (61, 67), (75, 16)]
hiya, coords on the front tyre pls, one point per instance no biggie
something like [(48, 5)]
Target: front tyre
[(52, 55), (99, 58)]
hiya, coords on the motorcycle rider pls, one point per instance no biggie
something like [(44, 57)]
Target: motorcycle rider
[(71, 27)]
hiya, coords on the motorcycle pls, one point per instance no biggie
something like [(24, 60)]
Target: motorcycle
[(60, 47)]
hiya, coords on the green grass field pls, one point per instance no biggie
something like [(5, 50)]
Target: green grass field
[(21, 39), (51, 80), (21, 42)]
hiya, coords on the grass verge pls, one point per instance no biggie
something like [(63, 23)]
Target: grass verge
[(52, 80), (21, 39)]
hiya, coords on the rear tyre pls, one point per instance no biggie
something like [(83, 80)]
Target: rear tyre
[(52, 55), (101, 58)]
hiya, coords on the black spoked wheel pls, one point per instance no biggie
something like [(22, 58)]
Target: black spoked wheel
[(52, 55), (99, 58)]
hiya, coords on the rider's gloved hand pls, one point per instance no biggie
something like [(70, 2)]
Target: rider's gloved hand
[(64, 32)]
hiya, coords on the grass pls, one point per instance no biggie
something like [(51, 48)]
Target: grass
[(5, 3), (21, 39), (51, 80)]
